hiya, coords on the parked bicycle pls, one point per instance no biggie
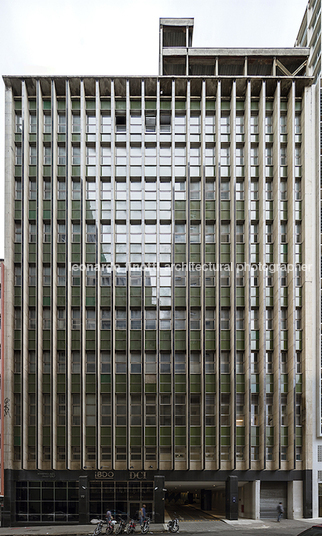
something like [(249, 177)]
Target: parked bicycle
[(99, 526), (145, 525), (130, 527), (119, 528), (173, 525)]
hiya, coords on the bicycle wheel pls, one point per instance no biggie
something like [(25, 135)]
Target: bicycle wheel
[(97, 530), (175, 528), (109, 529), (145, 528)]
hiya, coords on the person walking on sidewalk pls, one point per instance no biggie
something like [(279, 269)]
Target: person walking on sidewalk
[(142, 514), (280, 511)]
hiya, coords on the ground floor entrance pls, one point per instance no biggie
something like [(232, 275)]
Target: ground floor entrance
[(34, 497)]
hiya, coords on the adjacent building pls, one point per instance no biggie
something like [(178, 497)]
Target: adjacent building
[(3, 402), (162, 257), (310, 35)]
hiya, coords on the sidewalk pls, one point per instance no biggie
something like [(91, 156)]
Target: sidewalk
[(212, 526)]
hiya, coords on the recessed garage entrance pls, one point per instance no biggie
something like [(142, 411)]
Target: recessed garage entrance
[(271, 494)]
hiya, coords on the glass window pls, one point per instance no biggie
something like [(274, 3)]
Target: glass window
[(76, 123), (90, 319), (61, 122)]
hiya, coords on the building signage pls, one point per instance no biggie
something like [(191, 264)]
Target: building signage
[(109, 475)]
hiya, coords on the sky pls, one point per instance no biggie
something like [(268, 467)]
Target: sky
[(121, 37)]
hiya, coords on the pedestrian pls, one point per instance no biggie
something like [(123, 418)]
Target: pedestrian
[(142, 514), (280, 511), (108, 516)]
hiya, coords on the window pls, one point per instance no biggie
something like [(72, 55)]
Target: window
[(61, 122), (61, 361), (90, 319), (61, 190), (76, 123), (75, 409), (269, 319), (47, 123), (32, 233), (90, 156), (46, 318), (240, 124), (32, 189), (76, 156), (47, 156), (46, 276), (225, 124), (90, 362), (240, 323), (225, 156), (46, 362), (32, 156), (61, 409), (240, 233), (61, 156), (254, 156), (283, 124), (254, 125), (32, 123), (90, 124), (61, 319), (61, 276), (90, 233), (239, 156), (32, 318), (225, 190), (283, 156), (268, 124), (75, 319), (105, 319), (18, 189), (105, 124), (61, 233), (18, 123), (76, 363), (225, 319), (76, 232), (225, 232), (18, 232), (269, 156), (47, 189), (18, 155), (32, 275), (17, 274), (47, 233), (283, 189), (120, 122)]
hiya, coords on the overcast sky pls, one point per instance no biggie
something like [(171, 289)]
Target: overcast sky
[(121, 37)]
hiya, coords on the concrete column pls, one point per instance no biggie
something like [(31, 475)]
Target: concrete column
[(9, 509), (249, 503), (205, 496), (83, 500), (232, 497), (256, 499), (307, 493), (159, 495), (295, 499)]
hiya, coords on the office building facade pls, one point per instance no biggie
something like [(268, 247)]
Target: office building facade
[(161, 312)]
